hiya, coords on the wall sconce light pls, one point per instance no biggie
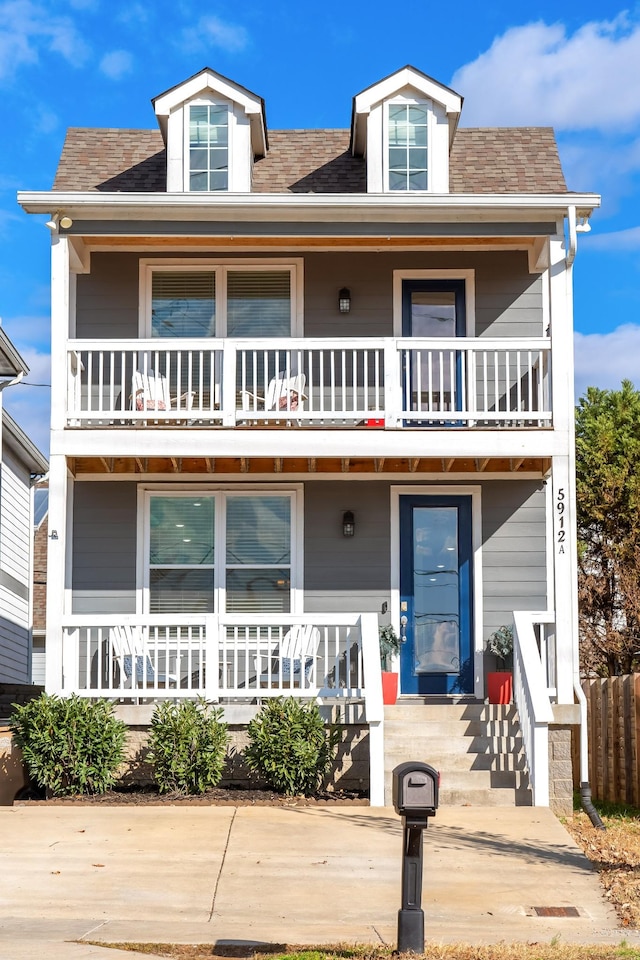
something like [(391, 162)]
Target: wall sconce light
[(344, 300), (348, 524)]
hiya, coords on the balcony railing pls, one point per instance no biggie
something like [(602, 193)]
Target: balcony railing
[(391, 383)]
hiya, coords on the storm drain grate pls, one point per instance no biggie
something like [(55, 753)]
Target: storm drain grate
[(556, 911)]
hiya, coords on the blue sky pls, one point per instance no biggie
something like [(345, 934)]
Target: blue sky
[(99, 62)]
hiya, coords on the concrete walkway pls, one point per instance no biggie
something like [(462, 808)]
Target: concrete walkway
[(296, 875)]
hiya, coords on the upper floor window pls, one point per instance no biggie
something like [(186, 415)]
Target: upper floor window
[(407, 146), (208, 151), (193, 299)]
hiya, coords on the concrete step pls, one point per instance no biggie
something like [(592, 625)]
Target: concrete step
[(477, 748)]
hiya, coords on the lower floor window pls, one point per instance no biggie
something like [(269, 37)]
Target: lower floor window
[(220, 552)]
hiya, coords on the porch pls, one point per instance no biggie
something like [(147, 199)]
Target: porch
[(388, 383), (233, 659)]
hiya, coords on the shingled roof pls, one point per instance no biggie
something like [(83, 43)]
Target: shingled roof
[(483, 160)]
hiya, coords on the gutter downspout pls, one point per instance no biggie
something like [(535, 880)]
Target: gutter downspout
[(585, 788)]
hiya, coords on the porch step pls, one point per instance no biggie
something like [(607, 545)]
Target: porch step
[(477, 748)]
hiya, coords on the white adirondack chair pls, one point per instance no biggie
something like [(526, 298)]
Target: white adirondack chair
[(283, 393), (137, 669), (150, 392), (291, 664)]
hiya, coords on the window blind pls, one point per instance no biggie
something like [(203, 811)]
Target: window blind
[(183, 304), (258, 303)]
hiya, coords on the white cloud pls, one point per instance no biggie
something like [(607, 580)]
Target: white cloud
[(27, 29), (116, 64), (539, 74), (606, 359), (212, 31), (619, 240)]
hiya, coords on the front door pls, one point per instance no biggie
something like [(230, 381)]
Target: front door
[(436, 580)]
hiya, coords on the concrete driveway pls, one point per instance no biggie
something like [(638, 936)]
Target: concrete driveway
[(300, 875)]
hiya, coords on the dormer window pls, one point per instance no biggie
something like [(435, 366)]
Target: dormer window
[(208, 149), (407, 138), (404, 127), (214, 129)]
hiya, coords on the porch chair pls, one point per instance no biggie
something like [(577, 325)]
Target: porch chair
[(129, 654), (285, 664), (283, 393), (150, 391)]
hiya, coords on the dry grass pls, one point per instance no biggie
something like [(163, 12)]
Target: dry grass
[(454, 951), (615, 853)]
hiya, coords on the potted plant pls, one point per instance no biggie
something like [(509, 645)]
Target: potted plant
[(389, 647), (500, 683)]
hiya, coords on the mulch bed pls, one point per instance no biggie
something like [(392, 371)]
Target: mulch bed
[(219, 796)]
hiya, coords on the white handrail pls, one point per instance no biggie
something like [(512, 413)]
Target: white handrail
[(531, 695)]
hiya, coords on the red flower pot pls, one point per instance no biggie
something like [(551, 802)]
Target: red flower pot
[(389, 687), (500, 687)]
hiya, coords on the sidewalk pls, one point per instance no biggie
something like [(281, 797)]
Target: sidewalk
[(295, 875)]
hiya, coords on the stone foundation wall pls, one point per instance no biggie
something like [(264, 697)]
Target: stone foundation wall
[(560, 770), (350, 769)]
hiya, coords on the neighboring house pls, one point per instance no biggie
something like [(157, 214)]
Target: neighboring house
[(316, 379), (40, 546), (20, 465)]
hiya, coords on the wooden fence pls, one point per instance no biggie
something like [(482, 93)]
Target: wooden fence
[(614, 738)]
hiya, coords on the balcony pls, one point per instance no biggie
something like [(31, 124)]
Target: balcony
[(386, 383)]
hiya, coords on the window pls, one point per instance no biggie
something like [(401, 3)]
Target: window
[(220, 551), (183, 300), (208, 147), (407, 130)]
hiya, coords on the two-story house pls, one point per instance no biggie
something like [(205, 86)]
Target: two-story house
[(306, 382)]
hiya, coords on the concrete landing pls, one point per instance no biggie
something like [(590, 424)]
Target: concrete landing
[(296, 875)]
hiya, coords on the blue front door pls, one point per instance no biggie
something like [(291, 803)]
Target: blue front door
[(436, 594)]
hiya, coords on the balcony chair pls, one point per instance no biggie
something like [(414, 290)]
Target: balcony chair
[(129, 654), (150, 391), (284, 666), (283, 393)]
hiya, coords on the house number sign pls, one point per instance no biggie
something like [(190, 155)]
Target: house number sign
[(561, 533)]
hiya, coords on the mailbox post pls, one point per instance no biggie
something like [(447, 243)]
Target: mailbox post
[(415, 798)]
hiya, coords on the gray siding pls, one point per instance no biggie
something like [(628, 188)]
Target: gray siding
[(104, 548), (340, 574), (513, 550), (346, 574), (15, 570), (508, 298)]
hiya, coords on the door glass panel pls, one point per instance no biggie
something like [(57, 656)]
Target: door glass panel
[(433, 314), (436, 615)]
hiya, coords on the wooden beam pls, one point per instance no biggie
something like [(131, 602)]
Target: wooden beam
[(379, 464), (516, 464), (277, 464), (210, 464), (481, 465), (107, 464), (311, 464), (345, 464), (413, 464), (176, 463), (244, 464), (447, 464)]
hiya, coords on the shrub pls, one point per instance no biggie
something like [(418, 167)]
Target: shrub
[(69, 744), (290, 746), (188, 745)]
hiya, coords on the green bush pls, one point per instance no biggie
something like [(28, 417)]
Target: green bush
[(70, 745), (290, 746), (188, 745)]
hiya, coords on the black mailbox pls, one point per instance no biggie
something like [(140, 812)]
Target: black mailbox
[(415, 789)]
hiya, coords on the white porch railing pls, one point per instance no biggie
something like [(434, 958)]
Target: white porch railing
[(229, 658), (533, 688), (391, 382)]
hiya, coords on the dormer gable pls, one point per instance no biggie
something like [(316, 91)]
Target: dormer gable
[(404, 127), (213, 129)]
